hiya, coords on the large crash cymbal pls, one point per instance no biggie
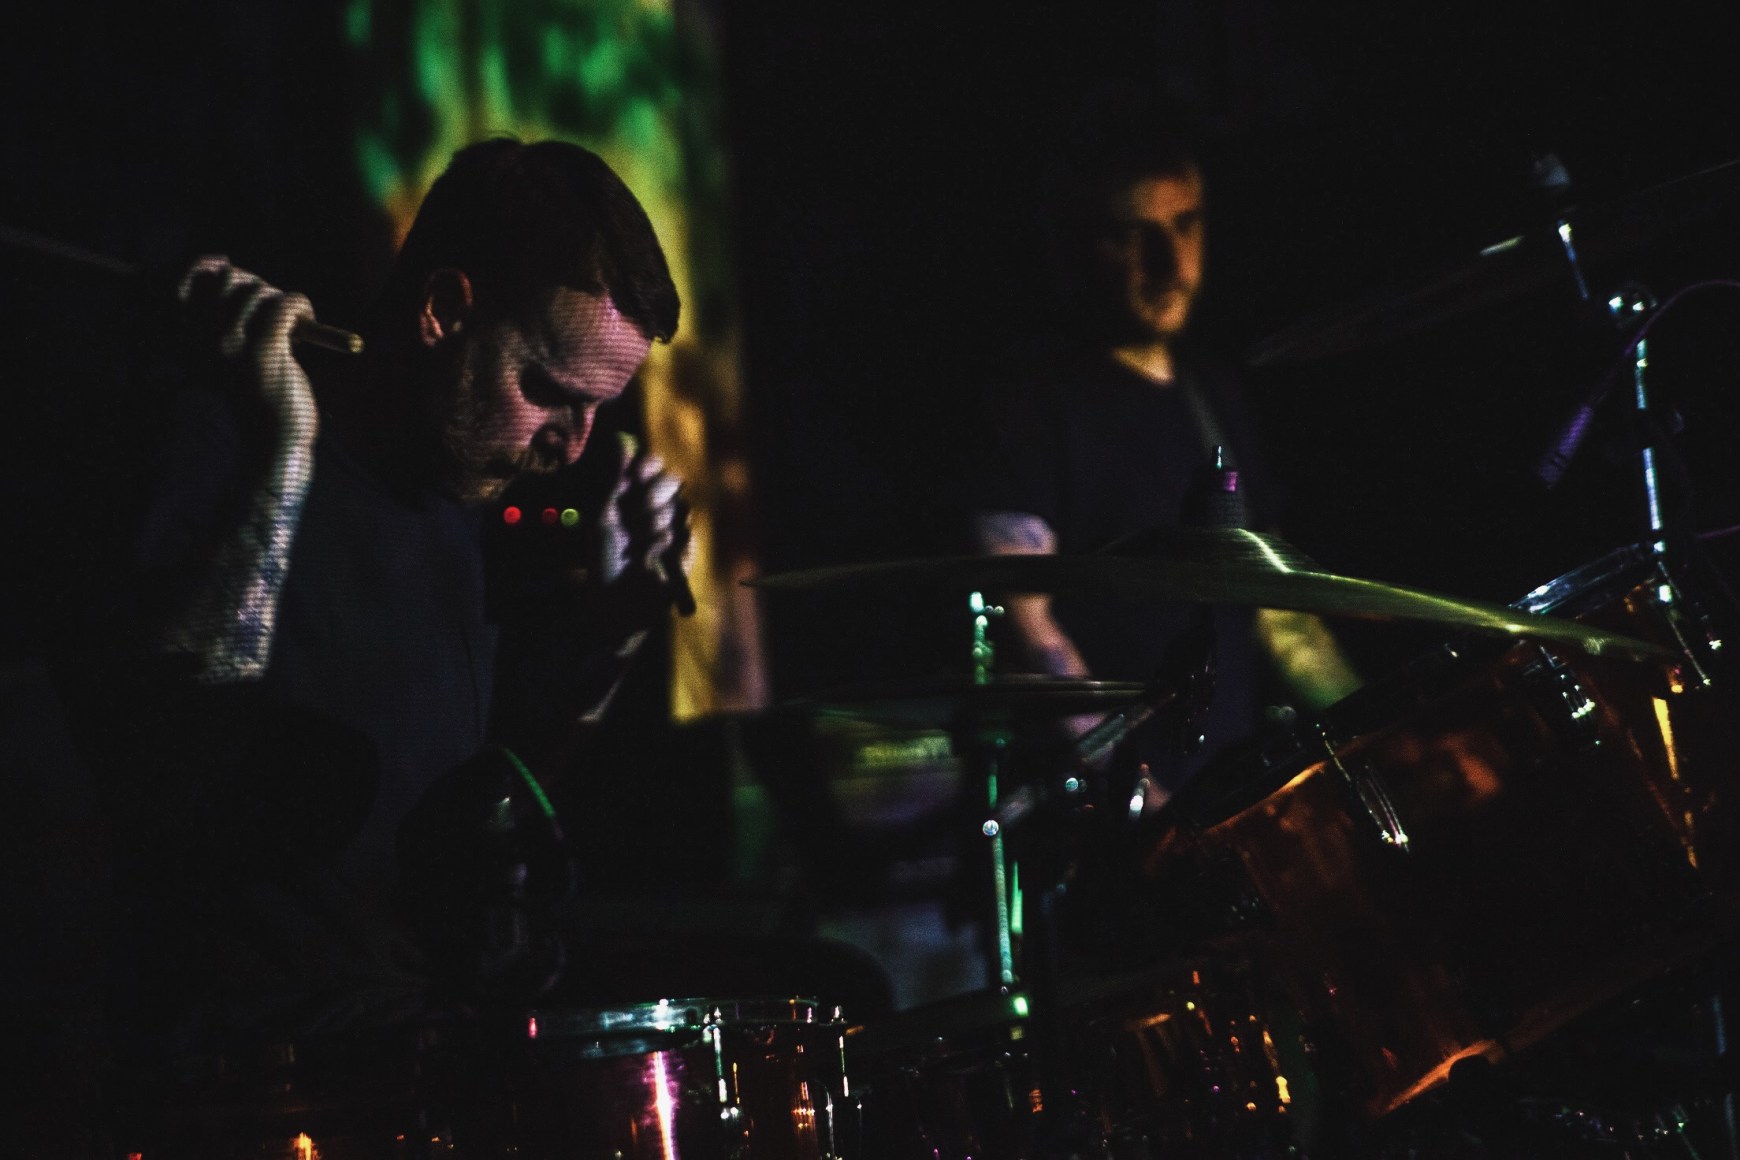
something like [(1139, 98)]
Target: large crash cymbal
[(1205, 566), (1511, 268)]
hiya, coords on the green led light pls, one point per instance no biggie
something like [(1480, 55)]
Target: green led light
[(570, 518)]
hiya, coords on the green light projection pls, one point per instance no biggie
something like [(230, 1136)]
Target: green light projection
[(636, 81)]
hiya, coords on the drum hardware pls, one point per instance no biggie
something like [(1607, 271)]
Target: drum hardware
[(683, 1079), (1185, 1058), (1373, 795), (1569, 823), (1569, 706), (783, 1081), (1008, 739), (1571, 238), (1683, 622)]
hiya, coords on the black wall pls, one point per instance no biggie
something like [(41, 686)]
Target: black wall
[(886, 178)]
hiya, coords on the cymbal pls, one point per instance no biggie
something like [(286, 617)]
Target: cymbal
[(940, 701), (1510, 268), (1208, 566)]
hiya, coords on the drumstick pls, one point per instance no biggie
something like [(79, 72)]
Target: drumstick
[(305, 331)]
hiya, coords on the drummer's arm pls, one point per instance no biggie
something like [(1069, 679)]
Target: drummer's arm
[(1310, 660), (1045, 647)]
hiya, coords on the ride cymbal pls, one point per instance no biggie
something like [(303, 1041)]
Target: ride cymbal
[(1207, 566)]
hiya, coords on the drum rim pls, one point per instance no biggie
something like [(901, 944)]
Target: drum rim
[(766, 1008), (616, 1019), (1627, 563)]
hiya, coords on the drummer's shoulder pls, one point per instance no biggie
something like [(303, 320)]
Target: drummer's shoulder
[(1048, 375), (1213, 369)]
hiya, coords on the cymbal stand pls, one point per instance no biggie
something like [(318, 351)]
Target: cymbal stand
[(1630, 307), (1022, 946), (1036, 813), (983, 747)]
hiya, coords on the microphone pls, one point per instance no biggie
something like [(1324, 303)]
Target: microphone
[(1626, 306), (1550, 468)]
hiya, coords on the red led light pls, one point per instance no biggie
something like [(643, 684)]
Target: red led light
[(550, 516), (510, 515)]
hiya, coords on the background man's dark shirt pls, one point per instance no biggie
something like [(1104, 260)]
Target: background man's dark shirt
[(1099, 452)]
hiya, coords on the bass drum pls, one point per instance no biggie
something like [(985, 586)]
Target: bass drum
[(1194, 1060), (1455, 862)]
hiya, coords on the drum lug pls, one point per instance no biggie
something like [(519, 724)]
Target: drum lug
[(1571, 709), (1693, 630), (1373, 795)]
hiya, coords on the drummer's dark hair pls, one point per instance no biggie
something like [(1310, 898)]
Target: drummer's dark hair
[(522, 218), (1121, 132)]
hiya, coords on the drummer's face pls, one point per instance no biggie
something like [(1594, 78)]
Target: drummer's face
[(1150, 245)]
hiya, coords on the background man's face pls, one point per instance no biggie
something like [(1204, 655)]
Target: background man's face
[(1148, 251)]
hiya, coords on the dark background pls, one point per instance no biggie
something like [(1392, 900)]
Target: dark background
[(886, 175)]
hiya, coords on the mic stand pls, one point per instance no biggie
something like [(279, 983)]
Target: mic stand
[(1633, 302)]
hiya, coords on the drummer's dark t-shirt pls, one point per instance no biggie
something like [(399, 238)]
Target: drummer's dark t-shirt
[(1100, 452)]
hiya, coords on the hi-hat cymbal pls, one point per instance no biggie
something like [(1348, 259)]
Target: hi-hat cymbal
[(941, 701), (1510, 268), (1207, 566)]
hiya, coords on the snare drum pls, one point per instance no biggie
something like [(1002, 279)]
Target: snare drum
[(782, 1066), (1184, 1061), (688, 1079), (622, 1083), (1467, 856)]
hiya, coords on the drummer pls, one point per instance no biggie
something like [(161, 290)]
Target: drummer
[(1106, 432)]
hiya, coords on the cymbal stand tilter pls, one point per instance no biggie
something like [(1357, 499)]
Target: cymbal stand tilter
[(1632, 308)]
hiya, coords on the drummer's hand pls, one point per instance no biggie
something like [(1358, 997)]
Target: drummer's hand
[(244, 323), (647, 547)]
